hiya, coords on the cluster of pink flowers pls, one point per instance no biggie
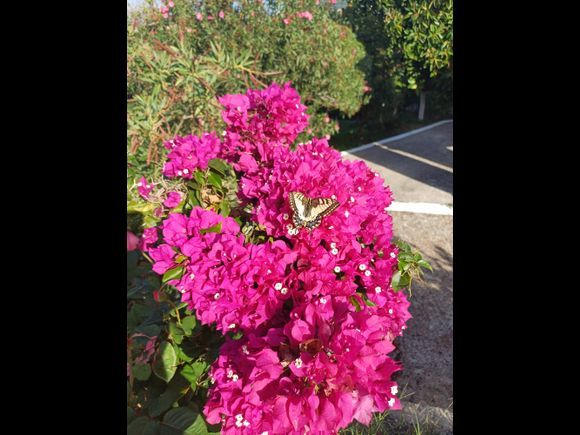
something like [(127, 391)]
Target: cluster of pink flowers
[(307, 15), (166, 8), (315, 308), (190, 153)]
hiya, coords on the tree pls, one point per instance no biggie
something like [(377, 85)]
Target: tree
[(419, 36)]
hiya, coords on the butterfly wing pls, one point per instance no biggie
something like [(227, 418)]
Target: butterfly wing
[(309, 212), (299, 204)]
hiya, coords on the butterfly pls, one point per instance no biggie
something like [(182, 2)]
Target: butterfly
[(308, 212)]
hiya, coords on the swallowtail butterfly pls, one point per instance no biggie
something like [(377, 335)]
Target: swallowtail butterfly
[(308, 212)]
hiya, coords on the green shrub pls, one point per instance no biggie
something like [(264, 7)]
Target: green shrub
[(179, 64)]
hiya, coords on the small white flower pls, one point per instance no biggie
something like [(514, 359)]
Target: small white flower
[(148, 186), (232, 326), (223, 133), (352, 199), (391, 402), (333, 245), (139, 184), (239, 417), (297, 106), (337, 269), (367, 273), (298, 363), (359, 188), (179, 173), (216, 296), (362, 267), (346, 214), (377, 289), (245, 350), (235, 378), (230, 373), (289, 226), (239, 108), (192, 276), (404, 327), (264, 433), (390, 311), (334, 251), (333, 197), (212, 380), (285, 216), (376, 174), (394, 390), (268, 271), (278, 286), (246, 423), (331, 227), (238, 423), (323, 300), (186, 171), (284, 291)]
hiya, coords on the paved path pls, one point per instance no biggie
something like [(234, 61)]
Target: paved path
[(418, 166)]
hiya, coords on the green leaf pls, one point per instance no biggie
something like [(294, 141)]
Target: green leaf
[(354, 300), (165, 362), (215, 229), (176, 332), (182, 420), (366, 300), (425, 265), (174, 391), (214, 179), (143, 426), (199, 178), (395, 280), (193, 371), (225, 208), (175, 273), (141, 372), (188, 323), (218, 165)]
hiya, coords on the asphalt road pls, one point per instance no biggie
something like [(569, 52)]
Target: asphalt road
[(418, 168)]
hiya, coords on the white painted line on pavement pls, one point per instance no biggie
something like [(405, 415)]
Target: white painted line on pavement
[(421, 207), (399, 136), (418, 158)]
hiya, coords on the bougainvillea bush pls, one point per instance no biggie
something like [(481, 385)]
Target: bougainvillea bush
[(251, 323)]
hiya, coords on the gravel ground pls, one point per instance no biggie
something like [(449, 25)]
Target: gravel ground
[(426, 350)]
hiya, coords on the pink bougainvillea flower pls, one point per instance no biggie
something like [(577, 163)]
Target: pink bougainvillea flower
[(144, 188), (199, 16), (190, 153), (148, 238), (306, 15), (170, 4), (221, 15), (286, 21), (132, 241), (173, 200)]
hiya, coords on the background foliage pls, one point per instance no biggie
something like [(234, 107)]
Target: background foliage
[(409, 47), (176, 66)]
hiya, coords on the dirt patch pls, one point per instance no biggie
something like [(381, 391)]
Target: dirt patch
[(426, 349)]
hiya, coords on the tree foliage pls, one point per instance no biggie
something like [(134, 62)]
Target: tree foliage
[(178, 64)]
